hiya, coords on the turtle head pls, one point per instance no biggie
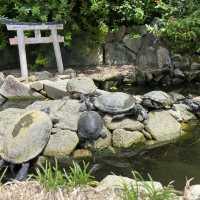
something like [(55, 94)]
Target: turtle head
[(88, 103), (103, 134), (141, 113)]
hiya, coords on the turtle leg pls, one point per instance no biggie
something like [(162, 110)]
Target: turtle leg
[(23, 172), (12, 166)]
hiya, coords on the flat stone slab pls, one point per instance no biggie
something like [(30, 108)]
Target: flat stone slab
[(162, 126), (128, 124), (109, 73), (37, 86), (13, 88), (55, 90)]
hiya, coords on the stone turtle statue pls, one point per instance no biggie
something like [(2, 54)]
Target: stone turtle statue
[(118, 104), (90, 127), (26, 140), (157, 100)]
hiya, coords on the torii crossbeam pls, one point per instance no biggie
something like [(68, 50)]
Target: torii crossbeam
[(21, 40)]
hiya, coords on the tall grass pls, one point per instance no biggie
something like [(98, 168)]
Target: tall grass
[(149, 191), (2, 175), (52, 178), (78, 176)]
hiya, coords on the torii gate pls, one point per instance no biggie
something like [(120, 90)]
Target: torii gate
[(21, 40)]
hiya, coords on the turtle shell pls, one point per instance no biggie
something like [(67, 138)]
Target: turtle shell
[(90, 125), (159, 97), (27, 137), (115, 103), (81, 85)]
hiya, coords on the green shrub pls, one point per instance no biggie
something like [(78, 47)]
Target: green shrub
[(178, 20), (179, 24)]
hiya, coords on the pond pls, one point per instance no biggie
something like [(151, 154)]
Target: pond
[(171, 162)]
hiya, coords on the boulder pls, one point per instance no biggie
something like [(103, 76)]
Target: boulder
[(12, 88), (163, 57), (83, 85), (192, 192), (126, 139), (117, 54), (43, 75), (55, 89), (68, 115), (61, 144), (103, 143), (82, 53), (127, 123), (133, 44), (147, 56), (54, 106), (82, 154), (162, 126), (64, 112), (37, 86), (118, 182)]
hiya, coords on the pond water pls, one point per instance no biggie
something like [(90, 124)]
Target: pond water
[(171, 162)]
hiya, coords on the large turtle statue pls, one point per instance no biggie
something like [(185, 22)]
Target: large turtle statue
[(90, 127), (118, 104), (80, 87), (25, 140), (157, 100)]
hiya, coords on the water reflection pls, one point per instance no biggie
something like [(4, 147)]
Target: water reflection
[(171, 162)]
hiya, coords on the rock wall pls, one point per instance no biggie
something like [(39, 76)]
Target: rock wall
[(153, 60)]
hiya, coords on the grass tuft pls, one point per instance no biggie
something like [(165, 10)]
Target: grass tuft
[(50, 177), (2, 175), (78, 176), (134, 192)]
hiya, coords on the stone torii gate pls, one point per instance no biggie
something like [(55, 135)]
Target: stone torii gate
[(21, 40)]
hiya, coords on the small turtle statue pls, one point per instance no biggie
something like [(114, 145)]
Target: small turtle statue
[(26, 140), (80, 87), (90, 127), (157, 100), (118, 104)]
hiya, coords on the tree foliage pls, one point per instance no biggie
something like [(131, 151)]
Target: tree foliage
[(178, 21)]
